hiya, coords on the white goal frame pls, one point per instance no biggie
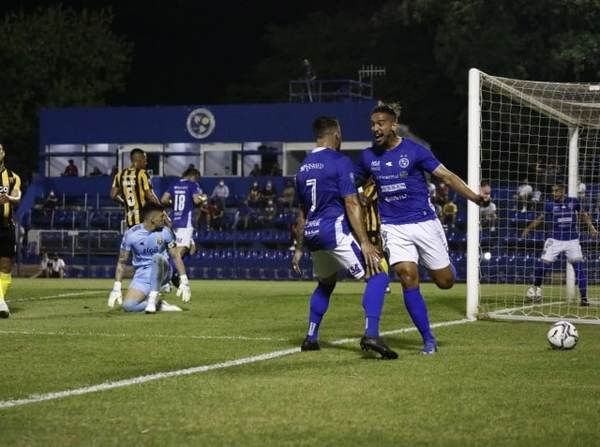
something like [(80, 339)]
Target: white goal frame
[(473, 310)]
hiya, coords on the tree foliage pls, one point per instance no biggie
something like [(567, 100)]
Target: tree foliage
[(428, 47), (55, 57)]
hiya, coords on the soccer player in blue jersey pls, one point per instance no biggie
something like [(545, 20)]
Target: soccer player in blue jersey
[(562, 213), (149, 243), (329, 210), (183, 195), (410, 229)]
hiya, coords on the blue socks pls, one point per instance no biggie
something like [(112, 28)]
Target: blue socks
[(373, 302), (415, 305), (540, 272), (319, 302), (579, 268)]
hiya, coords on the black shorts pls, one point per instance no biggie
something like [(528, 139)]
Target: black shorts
[(7, 242)]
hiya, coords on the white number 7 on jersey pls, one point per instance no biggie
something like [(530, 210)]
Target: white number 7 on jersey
[(312, 182)]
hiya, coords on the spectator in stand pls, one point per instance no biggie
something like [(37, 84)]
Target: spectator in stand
[(431, 188), (95, 172), (220, 193), (242, 216), (276, 170), (71, 170), (268, 193), (487, 213), (254, 197), (524, 195), (449, 212), (269, 213), (441, 194), (256, 171), (44, 271), (288, 194), (217, 215), (57, 267), (204, 214), (51, 202)]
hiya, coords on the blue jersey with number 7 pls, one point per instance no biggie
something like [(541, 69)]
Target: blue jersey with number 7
[(325, 177), (182, 196)]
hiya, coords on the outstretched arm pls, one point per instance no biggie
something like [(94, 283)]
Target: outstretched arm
[(585, 217), (533, 225), (458, 185)]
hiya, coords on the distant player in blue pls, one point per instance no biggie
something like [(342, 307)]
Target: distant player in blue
[(410, 229), (183, 195), (149, 243), (329, 210), (562, 214)]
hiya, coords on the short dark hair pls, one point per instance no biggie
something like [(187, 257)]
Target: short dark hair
[(151, 207), (323, 125), (191, 172), (136, 150), (388, 109)]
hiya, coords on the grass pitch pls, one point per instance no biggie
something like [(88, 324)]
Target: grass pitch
[(492, 383)]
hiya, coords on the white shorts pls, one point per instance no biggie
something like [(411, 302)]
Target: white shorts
[(554, 247), (345, 257), (423, 241), (184, 237)]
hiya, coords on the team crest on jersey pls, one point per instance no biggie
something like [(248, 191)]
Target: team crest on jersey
[(404, 162), (200, 123), (160, 241)]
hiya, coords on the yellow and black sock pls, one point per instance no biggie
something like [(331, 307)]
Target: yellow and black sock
[(5, 281)]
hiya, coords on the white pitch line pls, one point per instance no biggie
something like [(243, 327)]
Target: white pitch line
[(344, 341), (35, 398), (51, 297), (137, 336)]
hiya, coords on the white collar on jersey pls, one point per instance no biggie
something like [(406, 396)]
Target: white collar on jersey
[(318, 149)]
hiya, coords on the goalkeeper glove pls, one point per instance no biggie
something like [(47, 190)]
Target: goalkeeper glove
[(184, 289), (115, 295)]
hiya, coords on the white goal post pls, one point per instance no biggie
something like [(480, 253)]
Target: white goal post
[(528, 140)]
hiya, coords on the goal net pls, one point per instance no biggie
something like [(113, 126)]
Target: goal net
[(526, 139)]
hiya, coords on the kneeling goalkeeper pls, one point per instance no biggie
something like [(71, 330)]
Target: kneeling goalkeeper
[(149, 242)]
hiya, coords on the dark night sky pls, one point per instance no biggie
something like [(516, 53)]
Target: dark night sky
[(190, 51)]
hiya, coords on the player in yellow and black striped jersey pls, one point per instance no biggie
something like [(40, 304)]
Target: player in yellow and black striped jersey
[(368, 200), (371, 216), (132, 188), (10, 195)]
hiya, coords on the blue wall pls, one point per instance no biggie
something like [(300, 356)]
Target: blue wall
[(234, 123)]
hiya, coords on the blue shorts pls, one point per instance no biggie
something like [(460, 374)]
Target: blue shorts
[(141, 278)]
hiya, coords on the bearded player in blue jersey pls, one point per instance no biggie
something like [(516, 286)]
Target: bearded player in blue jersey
[(149, 243), (329, 210), (562, 214), (183, 195), (410, 229)]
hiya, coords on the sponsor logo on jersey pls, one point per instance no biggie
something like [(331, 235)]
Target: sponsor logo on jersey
[(309, 166), (394, 187)]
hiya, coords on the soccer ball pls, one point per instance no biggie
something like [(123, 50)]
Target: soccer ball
[(563, 335)]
